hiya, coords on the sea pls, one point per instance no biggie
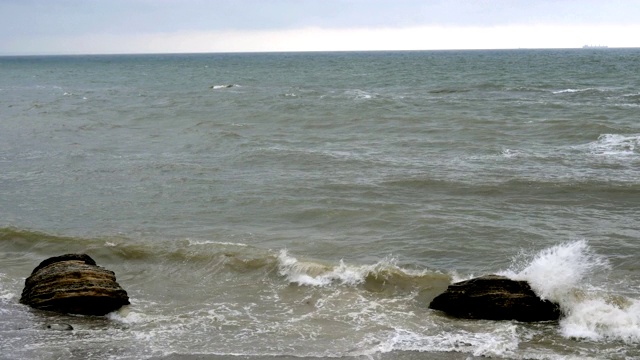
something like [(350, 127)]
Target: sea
[(280, 206)]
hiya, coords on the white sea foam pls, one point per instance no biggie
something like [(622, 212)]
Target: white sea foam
[(564, 274), (358, 94), (457, 277), (211, 242), (571, 90), (5, 293), (501, 342), (126, 316), (510, 153), (315, 274), (615, 144), (224, 86), (600, 318)]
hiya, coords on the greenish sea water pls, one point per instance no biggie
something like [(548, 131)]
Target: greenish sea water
[(310, 205)]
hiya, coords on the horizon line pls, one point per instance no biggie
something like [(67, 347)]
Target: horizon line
[(582, 47)]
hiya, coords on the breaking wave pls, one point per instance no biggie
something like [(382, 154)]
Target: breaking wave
[(223, 86), (565, 91), (565, 274), (615, 144), (384, 273)]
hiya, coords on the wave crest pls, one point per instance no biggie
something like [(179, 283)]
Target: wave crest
[(563, 274), (615, 144), (553, 271), (381, 276)]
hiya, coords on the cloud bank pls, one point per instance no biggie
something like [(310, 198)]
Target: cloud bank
[(319, 39), (169, 26)]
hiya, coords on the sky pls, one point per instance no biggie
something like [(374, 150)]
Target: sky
[(29, 27)]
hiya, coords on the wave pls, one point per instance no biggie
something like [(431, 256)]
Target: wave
[(223, 86), (526, 185), (379, 276), (357, 94), (615, 145), (633, 99), (570, 91), (571, 274), (584, 90), (449, 91), (208, 257), (502, 342), (385, 301), (237, 257), (612, 147), (564, 274)]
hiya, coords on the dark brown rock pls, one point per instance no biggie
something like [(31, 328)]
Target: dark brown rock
[(494, 297), (74, 284)]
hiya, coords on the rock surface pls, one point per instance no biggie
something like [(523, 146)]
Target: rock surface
[(494, 297), (73, 284)]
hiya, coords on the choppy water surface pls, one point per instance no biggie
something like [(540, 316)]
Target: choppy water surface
[(312, 204)]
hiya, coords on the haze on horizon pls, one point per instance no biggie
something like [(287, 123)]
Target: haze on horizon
[(29, 27)]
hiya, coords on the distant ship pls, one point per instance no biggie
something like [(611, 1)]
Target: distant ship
[(595, 47)]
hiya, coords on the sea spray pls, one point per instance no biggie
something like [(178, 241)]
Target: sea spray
[(563, 274), (556, 272)]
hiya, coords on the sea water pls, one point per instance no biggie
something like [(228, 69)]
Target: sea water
[(310, 205)]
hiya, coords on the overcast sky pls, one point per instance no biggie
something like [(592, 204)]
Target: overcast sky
[(152, 26)]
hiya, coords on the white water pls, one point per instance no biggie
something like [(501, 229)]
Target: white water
[(615, 144), (315, 274), (564, 274)]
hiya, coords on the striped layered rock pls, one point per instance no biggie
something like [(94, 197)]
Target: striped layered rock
[(73, 284), (494, 297)]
